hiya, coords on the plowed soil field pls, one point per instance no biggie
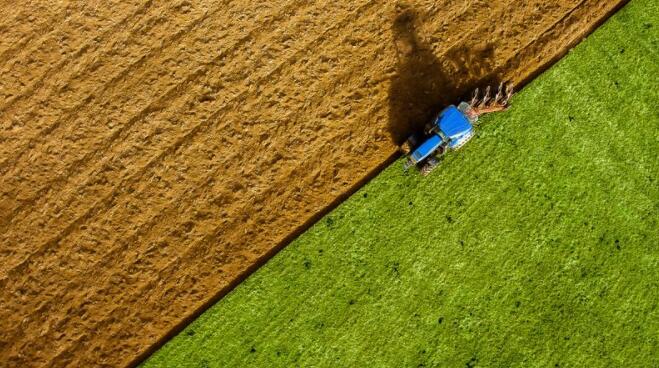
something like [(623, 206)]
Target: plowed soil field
[(152, 154)]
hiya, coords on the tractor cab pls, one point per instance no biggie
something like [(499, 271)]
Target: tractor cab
[(450, 130), (456, 126)]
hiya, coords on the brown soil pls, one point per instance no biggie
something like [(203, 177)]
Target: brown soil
[(152, 153)]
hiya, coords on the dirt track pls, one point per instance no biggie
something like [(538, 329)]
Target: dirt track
[(151, 152)]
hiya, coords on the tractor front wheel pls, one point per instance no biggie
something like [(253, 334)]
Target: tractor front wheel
[(429, 166)]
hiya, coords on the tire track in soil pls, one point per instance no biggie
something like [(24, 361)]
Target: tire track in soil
[(72, 56), (71, 113), (554, 34), (496, 69), (177, 282), (14, 174), (26, 62), (174, 90), (19, 27), (533, 42), (153, 106)]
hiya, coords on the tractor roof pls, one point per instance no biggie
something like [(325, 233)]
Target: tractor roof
[(453, 123)]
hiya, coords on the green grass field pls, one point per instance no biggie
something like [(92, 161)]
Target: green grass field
[(536, 245)]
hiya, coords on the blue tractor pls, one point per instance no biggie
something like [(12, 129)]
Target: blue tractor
[(451, 129)]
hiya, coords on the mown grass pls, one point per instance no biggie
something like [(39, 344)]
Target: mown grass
[(534, 246)]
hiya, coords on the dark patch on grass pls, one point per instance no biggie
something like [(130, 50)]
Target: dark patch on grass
[(394, 269), (472, 362), (329, 222)]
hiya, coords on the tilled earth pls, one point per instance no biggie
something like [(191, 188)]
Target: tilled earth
[(153, 153)]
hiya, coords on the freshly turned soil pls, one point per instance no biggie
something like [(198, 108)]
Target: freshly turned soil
[(153, 154)]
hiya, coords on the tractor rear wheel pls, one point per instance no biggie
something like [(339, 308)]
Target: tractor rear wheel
[(408, 146)]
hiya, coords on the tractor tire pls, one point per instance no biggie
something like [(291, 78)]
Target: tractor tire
[(408, 146), (405, 148), (429, 166)]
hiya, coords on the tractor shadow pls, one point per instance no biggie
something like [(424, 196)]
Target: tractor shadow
[(424, 83)]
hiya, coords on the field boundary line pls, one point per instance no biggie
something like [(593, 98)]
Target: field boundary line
[(168, 150), (220, 110), (109, 198), (319, 215), (147, 225)]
